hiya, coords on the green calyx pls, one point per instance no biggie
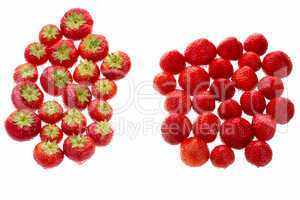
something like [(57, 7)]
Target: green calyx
[(91, 43), (114, 61), (51, 131), (86, 68), (37, 50), (104, 107), (27, 71), (50, 148), (62, 53), (82, 93), (78, 141), (50, 107), (50, 32), (75, 20), (61, 78), (103, 128), (30, 92), (104, 86), (23, 119), (73, 117)]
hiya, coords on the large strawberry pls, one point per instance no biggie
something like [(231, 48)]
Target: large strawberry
[(100, 110), (36, 53), (86, 72), (50, 34), (73, 122), (101, 132), (26, 72), (51, 112), (77, 95)]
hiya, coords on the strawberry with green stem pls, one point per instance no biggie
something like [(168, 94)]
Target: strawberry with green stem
[(77, 95), (36, 53), (104, 89), (73, 122), (51, 112), (101, 132), (100, 110), (26, 72), (50, 34), (86, 72), (51, 133)]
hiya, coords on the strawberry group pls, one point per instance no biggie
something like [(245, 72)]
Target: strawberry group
[(72, 74), (208, 79)]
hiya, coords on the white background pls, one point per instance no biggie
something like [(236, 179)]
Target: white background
[(138, 164)]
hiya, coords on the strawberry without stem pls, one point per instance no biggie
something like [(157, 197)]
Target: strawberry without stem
[(101, 132)]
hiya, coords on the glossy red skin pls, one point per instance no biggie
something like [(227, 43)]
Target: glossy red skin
[(33, 59), (245, 78), (175, 128), (253, 102), (200, 52), (220, 68), (117, 74), (172, 62), (100, 54), (22, 133), (236, 133), (70, 98), (84, 30), (47, 160), (52, 41), (229, 108), (99, 139), (256, 43), (20, 102), (96, 114), (51, 119), (73, 56), (258, 153), (164, 83), (194, 152), (178, 102), (44, 137), (74, 129), (281, 109), (86, 79), (264, 126), (77, 154), (271, 87), (47, 81), (277, 63), (18, 76), (230, 49), (222, 156), (206, 127), (107, 96), (203, 101), (193, 79), (222, 89), (250, 59)]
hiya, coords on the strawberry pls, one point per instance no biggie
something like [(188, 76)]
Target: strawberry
[(229, 108), (77, 95), (258, 153), (253, 102), (230, 49), (93, 47), (86, 72), (27, 95), (264, 126), (51, 112), (271, 87), (194, 152), (281, 109), (203, 101), (54, 79), (220, 68), (222, 156), (100, 110), (63, 53), (250, 59), (277, 63), (26, 72), (49, 35), (51, 133), (101, 132), (164, 83), (36, 53), (48, 154), (79, 148), (76, 24), (222, 89), (172, 62), (256, 43), (116, 65), (104, 89), (175, 128), (178, 102), (22, 125), (245, 78), (73, 122)]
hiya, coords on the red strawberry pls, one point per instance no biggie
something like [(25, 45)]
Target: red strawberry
[(93, 47), (281, 109), (172, 62), (222, 89), (79, 148), (264, 126), (49, 35), (245, 78), (76, 24), (177, 102), (22, 125), (258, 153), (27, 95), (175, 128), (194, 152), (203, 101), (48, 154), (51, 112), (86, 72), (229, 108), (222, 156), (200, 52), (277, 63), (164, 83), (63, 53), (36, 53), (253, 102), (236, 133), (116, 65), (104, 89), (73, 122), (220, 68), (256, 43), (230, 49), (271, 87), (250, 59), (54, 79), (193, 79), (77, 95), (206, 127), (26, 72), (100, 110), (101, 132), (51, 133)]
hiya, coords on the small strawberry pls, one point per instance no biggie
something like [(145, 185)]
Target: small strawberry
[(104, 89), (178, 102), (101, 132), (264, 126), (229, 108), (256, 43), (51, 112), (49, 35), (100, 110), (73, 122), (164, 83), (258, 153), (230, 49), (222, 156), (222, 89), (51, 133), (203, 101), (220, 68), (172, 62), (86, 72), (281, 109), (277, 63), (253, 102), (245, 78), (250, 59), (36, 53), (77, 95), (26, 72), (271, 87)]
